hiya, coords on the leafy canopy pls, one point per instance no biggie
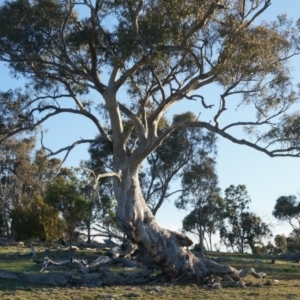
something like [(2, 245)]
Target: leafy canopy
[(131, 61), (36, 220), (240, 227), (287, 208)]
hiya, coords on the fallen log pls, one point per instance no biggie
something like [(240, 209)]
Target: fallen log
[(124, 250), (127, 262), (94, 275), (228, 273), (84, 267), (54, 279), (104, 277)]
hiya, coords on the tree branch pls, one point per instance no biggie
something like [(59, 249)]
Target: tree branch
[(287, 152), (267, 4), (137, 123), (84, 112)]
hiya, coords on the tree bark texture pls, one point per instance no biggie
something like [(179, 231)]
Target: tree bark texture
[(165, 248), (96, 274), (103, 277)]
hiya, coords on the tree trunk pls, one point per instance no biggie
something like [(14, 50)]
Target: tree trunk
[(70, 237), (88, 232), (165, 248), (4, 212), (206, 243), (210, 241), (201, 243), (251, 244), (6, 223), (242, 244)]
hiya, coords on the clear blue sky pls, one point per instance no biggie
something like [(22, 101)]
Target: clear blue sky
[(266, 178)]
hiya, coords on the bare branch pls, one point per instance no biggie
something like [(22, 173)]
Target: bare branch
[(66, 149), (202, 100), (134, 16), (58, 110), (213, 7), (130, 72), (180, 94), (221, 109), (111, 174), (288, 151), (92, 47), (267, 4), (159, 84), (137, 123)]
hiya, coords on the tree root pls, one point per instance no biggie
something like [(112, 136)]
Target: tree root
[(95, 274), (103, 277), (227, 272), (84, 267)]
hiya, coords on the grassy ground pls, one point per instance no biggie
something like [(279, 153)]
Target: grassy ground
[(285, 277)]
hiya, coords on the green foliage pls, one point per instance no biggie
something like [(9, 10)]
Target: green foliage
[(100, 208), (280, 243), (287, 208), (205, 217), (200, 191), (63, 195), (183, 46), (160, 53), (237, 199), (260, 250), (99, 195), (241, 228), (174, 158), (254, 229), (293, 241), (36, 220), (24, 173), (271, 249)]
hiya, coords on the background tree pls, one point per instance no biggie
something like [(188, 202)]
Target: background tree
[(170, 160), (205, 222), (160, 54), (24, 172), (92, 210), (281, 243), (254, 230), (237, 203), (36, 220), (241, 228), (293, 241), (99, 192), (64, 196), (100, 211), (17, 176), (287, 208), (202, 195)]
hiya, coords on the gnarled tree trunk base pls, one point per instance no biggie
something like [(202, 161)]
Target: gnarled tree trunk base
[(95, 274), (226, 272), (159, 247), (107, 277), (103, 277)]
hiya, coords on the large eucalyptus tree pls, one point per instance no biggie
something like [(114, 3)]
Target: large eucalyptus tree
[(136, 60)]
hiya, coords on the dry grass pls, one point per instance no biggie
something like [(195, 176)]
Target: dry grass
[(284, 277)]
